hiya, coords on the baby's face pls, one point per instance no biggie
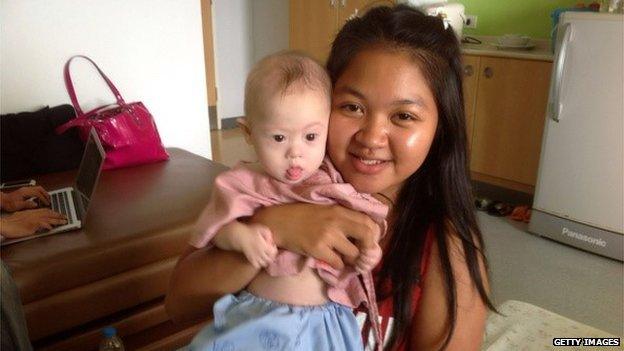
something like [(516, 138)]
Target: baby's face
[(289, 137)]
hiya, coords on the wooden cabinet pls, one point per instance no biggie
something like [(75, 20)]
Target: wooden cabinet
[(505, 102), (314, 23), (471, 78), (312, 27)]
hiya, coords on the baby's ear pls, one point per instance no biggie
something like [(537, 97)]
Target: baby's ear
[(244, 126)]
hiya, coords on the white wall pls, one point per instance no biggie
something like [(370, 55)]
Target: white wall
[(151, 49), (233, 54), (245, 31), (270, 24)]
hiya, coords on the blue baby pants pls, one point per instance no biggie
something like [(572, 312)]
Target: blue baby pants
[(247, 323)]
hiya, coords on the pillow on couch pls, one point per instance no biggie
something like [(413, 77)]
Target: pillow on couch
[(29, 145)]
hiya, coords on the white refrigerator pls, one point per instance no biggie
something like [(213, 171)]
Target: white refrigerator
[(579, 196)]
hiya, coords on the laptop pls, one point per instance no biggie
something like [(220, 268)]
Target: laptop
[(74, 201)]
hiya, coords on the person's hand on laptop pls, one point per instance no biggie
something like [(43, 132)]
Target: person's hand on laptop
[(24, 198), (28, 222)]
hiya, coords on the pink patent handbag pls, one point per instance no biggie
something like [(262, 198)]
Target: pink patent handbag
[(127, 130)]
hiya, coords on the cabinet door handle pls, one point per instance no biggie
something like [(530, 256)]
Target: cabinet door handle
[(343, 3), (488, 72), (468, 70), (332, 3)]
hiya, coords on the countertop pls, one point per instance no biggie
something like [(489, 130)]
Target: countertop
[(541, 51)]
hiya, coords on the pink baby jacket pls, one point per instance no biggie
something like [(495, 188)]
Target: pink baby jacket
[(240, 191)]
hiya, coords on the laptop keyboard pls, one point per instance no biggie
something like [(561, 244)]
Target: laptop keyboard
[(59, 202)]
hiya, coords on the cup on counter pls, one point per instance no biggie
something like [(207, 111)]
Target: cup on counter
[(514, 40)]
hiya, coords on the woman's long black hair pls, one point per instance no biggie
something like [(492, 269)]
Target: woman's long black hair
[(437, 198)]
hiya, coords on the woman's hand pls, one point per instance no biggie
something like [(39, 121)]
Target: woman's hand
[(328, 233), (21, 198), (27, 222)]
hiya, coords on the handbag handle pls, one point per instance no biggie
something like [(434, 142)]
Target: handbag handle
[(72, 92), (80, 121), (74, 122)]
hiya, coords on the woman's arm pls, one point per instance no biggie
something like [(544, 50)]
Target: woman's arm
[(202, 276), (430, 323)]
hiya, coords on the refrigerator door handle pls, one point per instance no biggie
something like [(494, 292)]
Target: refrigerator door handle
[(555, 106)]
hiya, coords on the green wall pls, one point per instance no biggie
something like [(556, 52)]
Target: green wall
[(527, 17)]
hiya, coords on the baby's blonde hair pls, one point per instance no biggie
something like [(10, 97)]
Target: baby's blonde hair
[(282, 73)]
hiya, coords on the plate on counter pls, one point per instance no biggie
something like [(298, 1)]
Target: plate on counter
[(528, 46)]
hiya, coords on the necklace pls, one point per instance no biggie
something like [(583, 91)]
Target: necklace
[(387, 198)]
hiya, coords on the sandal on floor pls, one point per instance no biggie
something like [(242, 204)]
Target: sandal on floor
[(499, 209), (521, 214), (527, 216), (518, 213), (482, 203)]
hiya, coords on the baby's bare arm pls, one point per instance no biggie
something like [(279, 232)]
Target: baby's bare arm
[(254, 240), (228, 237)]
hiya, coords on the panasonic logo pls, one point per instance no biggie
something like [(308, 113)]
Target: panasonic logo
[(586, 238)]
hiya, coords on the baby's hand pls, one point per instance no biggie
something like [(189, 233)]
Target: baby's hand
[(368, 259), (257, 245)]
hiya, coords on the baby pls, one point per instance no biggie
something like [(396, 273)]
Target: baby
[(294, 302)]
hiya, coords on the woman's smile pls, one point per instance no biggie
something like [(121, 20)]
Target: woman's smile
[(368, 165)]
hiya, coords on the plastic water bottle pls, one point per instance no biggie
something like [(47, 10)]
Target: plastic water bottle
[(111, 341)]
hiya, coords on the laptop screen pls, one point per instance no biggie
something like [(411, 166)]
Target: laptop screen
[(90, 166)]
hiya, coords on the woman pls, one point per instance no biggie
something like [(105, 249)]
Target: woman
[(397, 129)]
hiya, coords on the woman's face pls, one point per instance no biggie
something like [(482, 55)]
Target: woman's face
[(383, 121)]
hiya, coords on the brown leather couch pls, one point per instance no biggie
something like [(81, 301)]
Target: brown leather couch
[(114, 271)]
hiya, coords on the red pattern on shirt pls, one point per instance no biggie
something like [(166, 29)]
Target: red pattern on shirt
[(386, 307)]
